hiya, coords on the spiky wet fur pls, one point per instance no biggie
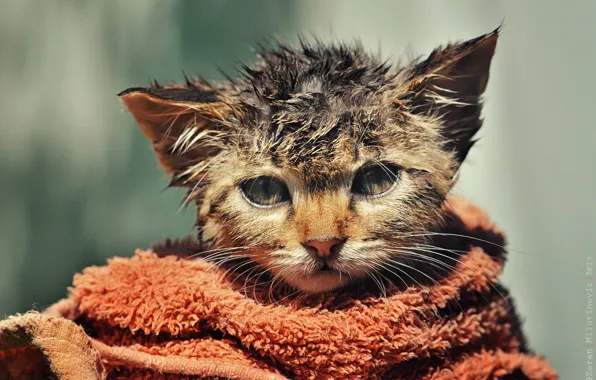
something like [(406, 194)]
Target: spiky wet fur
[(312, 116)]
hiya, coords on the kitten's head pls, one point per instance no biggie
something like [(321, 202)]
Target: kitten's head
[(321, 162)]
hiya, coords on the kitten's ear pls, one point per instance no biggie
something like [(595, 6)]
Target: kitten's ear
[(449, 84), (185, 123)]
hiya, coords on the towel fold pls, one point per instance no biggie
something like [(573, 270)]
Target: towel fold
[(170, 317)]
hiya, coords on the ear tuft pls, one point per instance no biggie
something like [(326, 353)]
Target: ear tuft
[(181, 121), (154, 84), (449, 84), (188, 81)]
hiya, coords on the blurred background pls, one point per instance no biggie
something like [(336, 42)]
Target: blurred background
[(79, 184)]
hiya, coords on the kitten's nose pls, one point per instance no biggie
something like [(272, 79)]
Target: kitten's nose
[(324, 249)]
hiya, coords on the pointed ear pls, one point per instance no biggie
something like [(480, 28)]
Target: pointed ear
[(449, 84), (185, 123)]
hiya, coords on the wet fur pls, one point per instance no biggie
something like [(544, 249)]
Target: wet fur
[(312, 116)]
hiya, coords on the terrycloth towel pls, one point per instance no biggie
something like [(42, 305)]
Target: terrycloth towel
[(150, 317)]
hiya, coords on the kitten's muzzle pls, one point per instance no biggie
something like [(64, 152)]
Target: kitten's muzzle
[(324, 250)]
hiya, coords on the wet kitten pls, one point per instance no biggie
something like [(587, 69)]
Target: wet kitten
[(321, 162)]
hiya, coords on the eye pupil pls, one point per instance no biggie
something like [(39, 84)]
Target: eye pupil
[(265, 191), (375, 180)]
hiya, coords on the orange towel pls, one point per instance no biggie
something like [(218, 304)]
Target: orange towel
[(169, 317)]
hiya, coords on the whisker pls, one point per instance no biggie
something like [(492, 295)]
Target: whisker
[(393, 273), (427, 276), (248, 272), (256, 282), (388, 282), (428, 260), (417, 270), (221, 261), (407, 274), (218, 255), (214, 251), (288, 296), (466, 237), (377, 282), (459, 262), (439, 254), (271, 286), (229, 274)]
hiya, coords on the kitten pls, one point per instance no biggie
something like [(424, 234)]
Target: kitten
[(320, 162)]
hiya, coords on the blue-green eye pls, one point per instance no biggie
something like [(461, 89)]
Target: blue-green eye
[(375, 179), (265, 191)]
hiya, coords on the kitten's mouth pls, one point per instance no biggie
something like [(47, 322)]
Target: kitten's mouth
[(326, 268)]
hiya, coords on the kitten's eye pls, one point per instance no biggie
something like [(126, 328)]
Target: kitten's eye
[(375, 180), (265, 191)]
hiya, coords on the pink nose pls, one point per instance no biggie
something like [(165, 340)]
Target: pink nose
[(324, 249)]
